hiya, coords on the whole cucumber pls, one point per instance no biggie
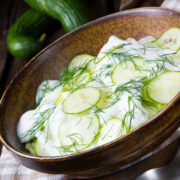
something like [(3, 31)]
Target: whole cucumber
[(26, 35), (71, 13)]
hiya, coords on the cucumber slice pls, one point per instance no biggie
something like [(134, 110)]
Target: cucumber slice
[(77, 80), (152, 110), (81, 100), (112, 129), (165, 87), (30, 146), (40, 149), (176, 57), (106, 98), (128, 70), (81, 60), (79, 133), (170, 39)]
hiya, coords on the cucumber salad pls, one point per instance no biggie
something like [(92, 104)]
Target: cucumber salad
[(98, 99)]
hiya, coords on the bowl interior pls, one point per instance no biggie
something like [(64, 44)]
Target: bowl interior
[(51, 62)]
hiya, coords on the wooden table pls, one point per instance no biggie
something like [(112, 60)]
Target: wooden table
[(9, 67)]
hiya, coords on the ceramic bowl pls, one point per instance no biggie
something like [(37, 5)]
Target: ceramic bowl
[(50, 63)]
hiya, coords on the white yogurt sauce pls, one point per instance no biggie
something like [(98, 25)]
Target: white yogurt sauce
[(119, 109)]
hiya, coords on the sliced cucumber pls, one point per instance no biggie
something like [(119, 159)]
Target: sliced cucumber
[(77, 80), (128, 70), (40, 149), (111, 130), (81, 60), (176, 57), (30, 146), (153, 110), (170, 39), (165, 87), (81, 100), (79, 133), (106, 98)]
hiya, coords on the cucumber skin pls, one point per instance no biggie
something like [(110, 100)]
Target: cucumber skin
[(23, 36), (71, 13)]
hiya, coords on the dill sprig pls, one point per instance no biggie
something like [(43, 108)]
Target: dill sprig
[(112, 50), (46, 88), (74, 75), (41, 121), (133, 88), (165, 58), (124, 56), (128, 87), (75, 146)]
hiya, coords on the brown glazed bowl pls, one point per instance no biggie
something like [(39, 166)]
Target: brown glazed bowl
[(20, 96)]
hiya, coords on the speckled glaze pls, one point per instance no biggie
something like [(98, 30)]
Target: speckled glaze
[(49, 63)]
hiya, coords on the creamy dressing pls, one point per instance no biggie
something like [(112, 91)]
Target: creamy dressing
[(50, 98)]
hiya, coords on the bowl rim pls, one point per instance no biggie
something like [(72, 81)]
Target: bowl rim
[(97, 148)]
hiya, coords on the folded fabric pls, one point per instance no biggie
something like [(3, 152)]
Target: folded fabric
[(10, 169)]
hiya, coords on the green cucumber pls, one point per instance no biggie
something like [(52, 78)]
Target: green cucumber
[(81, 100), (164, 87), (79, 133), (30, 146), (40, 149), (176, 57), (71, 13), (152, 110), (77, 80), (112, 129), (106, 98), (126, 70), (26, 36), (170, 39), (81, 60)]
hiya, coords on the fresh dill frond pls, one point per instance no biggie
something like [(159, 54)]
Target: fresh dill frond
[(65, 149), (109, 130), (46, 88), (74, 75), (112, 50), (75, 146), (41, 120)]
